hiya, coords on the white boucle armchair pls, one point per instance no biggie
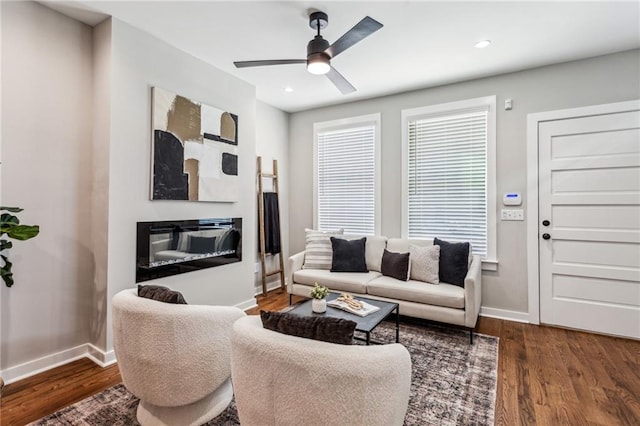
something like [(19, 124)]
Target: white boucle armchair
[(286, 380), (175, 358)]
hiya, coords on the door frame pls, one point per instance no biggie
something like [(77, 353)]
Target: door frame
[(533, 125)]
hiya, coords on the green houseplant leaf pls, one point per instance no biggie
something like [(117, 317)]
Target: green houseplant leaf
[(11, 209), (10, 225), (7, 219), (23, 232), (6, 273)]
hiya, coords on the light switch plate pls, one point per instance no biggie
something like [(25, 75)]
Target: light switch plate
[(508, 104), (512, 214)]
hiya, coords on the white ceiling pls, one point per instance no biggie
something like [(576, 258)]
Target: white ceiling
[(422, 44)]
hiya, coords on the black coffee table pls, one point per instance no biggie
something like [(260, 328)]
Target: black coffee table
[(363, 324)]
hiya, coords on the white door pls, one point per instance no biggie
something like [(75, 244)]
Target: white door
[(589, 192)]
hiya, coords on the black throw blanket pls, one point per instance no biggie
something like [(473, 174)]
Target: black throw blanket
[(271, 223)]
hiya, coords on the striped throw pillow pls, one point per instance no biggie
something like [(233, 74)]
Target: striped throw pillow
[(318, 252)]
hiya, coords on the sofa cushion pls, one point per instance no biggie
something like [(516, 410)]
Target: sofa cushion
[(326, 329), (353, 282), (348, 255), (161, 294), (373, 250), (228, 240), (180, 240), (395, 265), (425, 263), (443, 294), (202, 245), (401, 245), (454, 261), (318, 253)]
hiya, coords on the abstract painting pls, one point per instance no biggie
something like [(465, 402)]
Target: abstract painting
[(195, 150)]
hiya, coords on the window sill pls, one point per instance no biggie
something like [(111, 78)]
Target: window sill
[(489, 265)]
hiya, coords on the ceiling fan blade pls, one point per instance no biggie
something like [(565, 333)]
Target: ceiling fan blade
[(361, 30), (340, 82), (245, 64)]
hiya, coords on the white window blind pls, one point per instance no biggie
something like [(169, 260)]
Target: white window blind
[(346, 168), (447, 177)]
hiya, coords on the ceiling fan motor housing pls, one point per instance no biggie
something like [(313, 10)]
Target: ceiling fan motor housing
[(317, 46)]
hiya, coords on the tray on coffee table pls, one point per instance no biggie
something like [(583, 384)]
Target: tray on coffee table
[(364, 324)]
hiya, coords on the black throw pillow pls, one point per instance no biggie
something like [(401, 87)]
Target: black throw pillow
[(161, 294), (395, 265), (202, 245), (326, 329), (454, 262), (348, 255)]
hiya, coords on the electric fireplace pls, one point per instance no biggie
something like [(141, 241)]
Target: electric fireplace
[(177, 246)]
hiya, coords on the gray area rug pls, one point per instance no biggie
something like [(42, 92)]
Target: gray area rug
[(453, 383)]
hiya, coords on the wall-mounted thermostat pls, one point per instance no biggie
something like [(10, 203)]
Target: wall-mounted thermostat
[(511, 199)]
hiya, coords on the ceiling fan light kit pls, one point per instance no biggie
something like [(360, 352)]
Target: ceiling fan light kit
[(320, 52), (318, 63)]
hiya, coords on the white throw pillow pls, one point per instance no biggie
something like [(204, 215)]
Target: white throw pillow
[(425, 263), (318, 251)]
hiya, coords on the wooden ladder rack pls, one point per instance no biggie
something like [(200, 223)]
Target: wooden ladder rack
[(263, 255)]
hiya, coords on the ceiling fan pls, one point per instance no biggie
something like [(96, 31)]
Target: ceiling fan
[(320, 53)]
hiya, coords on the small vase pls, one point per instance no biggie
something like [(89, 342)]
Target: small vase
[(319, 306)]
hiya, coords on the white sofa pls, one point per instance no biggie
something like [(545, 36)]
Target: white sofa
[(441, 302), (287, 380)]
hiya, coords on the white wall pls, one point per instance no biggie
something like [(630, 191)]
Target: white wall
[(100, 179), (138, 63), (272, 142), (46, 169), (605, 79), (76, 144)]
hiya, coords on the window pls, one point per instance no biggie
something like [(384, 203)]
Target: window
[(347, 174), (449, 174)]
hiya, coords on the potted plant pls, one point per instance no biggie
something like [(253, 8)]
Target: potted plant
[(318, 302), (10, 225)]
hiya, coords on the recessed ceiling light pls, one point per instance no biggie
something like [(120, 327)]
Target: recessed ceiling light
[(482, 44), (288, 89)]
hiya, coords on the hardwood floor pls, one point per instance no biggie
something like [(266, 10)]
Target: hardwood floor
[(546, 376)]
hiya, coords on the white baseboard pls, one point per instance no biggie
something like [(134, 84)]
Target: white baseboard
[(31, 368), (247, 304), (273, 285), (100, 357), (504, 314)]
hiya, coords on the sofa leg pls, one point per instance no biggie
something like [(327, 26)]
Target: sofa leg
[(471, 336), (290, 299)]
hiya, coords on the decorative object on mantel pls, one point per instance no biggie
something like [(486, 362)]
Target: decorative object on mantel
[(10, 225), (318, 294), (453, 383), (195, 150)]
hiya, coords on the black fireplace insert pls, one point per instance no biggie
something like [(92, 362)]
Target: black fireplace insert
[(177, 246)]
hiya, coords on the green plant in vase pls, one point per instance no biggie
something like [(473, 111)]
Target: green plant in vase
[(318, 291), (318, 302), (10, 227)]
